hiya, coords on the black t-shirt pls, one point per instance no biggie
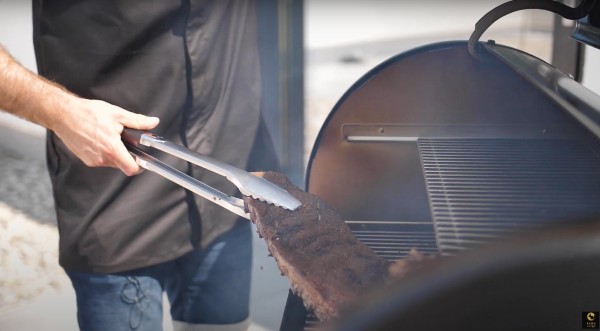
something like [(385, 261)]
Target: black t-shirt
[(193, 64)]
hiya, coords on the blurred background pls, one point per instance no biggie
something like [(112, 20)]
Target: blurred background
[(319, 50)]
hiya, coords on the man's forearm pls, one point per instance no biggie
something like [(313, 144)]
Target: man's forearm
[(91, 129), (28, 95)]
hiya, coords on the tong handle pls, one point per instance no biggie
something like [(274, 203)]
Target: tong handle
[(248, 184), (150, 163), (137, 137), (132, 136)]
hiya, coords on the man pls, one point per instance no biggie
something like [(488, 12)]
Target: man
[(123, 240)]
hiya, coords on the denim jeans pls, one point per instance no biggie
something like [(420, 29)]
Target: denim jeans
[(210, 286)]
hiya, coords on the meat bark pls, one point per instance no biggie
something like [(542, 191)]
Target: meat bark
[(314, 248)]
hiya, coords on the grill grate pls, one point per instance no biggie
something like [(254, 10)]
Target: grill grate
[(312, 323), (480, 189), (393, 241)]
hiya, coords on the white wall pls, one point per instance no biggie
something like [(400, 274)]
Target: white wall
[(341, 22), (591, 69), (16, 30)]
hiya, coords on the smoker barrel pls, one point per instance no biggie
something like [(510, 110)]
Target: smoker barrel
[(441, 151)]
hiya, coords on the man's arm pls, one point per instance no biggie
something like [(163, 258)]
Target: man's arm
[(91, 129)]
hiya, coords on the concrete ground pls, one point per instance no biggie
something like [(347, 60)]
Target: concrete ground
[(36, 295)]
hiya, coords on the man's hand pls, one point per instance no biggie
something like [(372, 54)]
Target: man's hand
[(91, 129)]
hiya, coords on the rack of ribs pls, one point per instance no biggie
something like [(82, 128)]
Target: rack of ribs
[(314, 248)]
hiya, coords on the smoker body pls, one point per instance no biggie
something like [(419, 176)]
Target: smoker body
[(442, 150)]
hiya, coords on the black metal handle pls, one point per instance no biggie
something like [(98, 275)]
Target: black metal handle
[(132, 136), (504, 9)]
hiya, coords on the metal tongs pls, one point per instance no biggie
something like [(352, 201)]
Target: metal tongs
[(248, 184)]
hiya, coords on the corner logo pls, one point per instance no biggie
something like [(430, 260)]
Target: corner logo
[(589, 320)]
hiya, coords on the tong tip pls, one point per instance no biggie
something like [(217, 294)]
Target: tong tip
[(285, 201)]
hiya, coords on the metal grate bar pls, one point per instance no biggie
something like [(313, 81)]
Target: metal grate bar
[(482, 189)]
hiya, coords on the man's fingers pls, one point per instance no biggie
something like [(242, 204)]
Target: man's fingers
[(125, 162), (138, 121)]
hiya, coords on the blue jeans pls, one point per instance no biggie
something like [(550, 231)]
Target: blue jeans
[(210, 286)]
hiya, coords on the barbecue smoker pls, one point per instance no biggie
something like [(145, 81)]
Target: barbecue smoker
[(480, 152)]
